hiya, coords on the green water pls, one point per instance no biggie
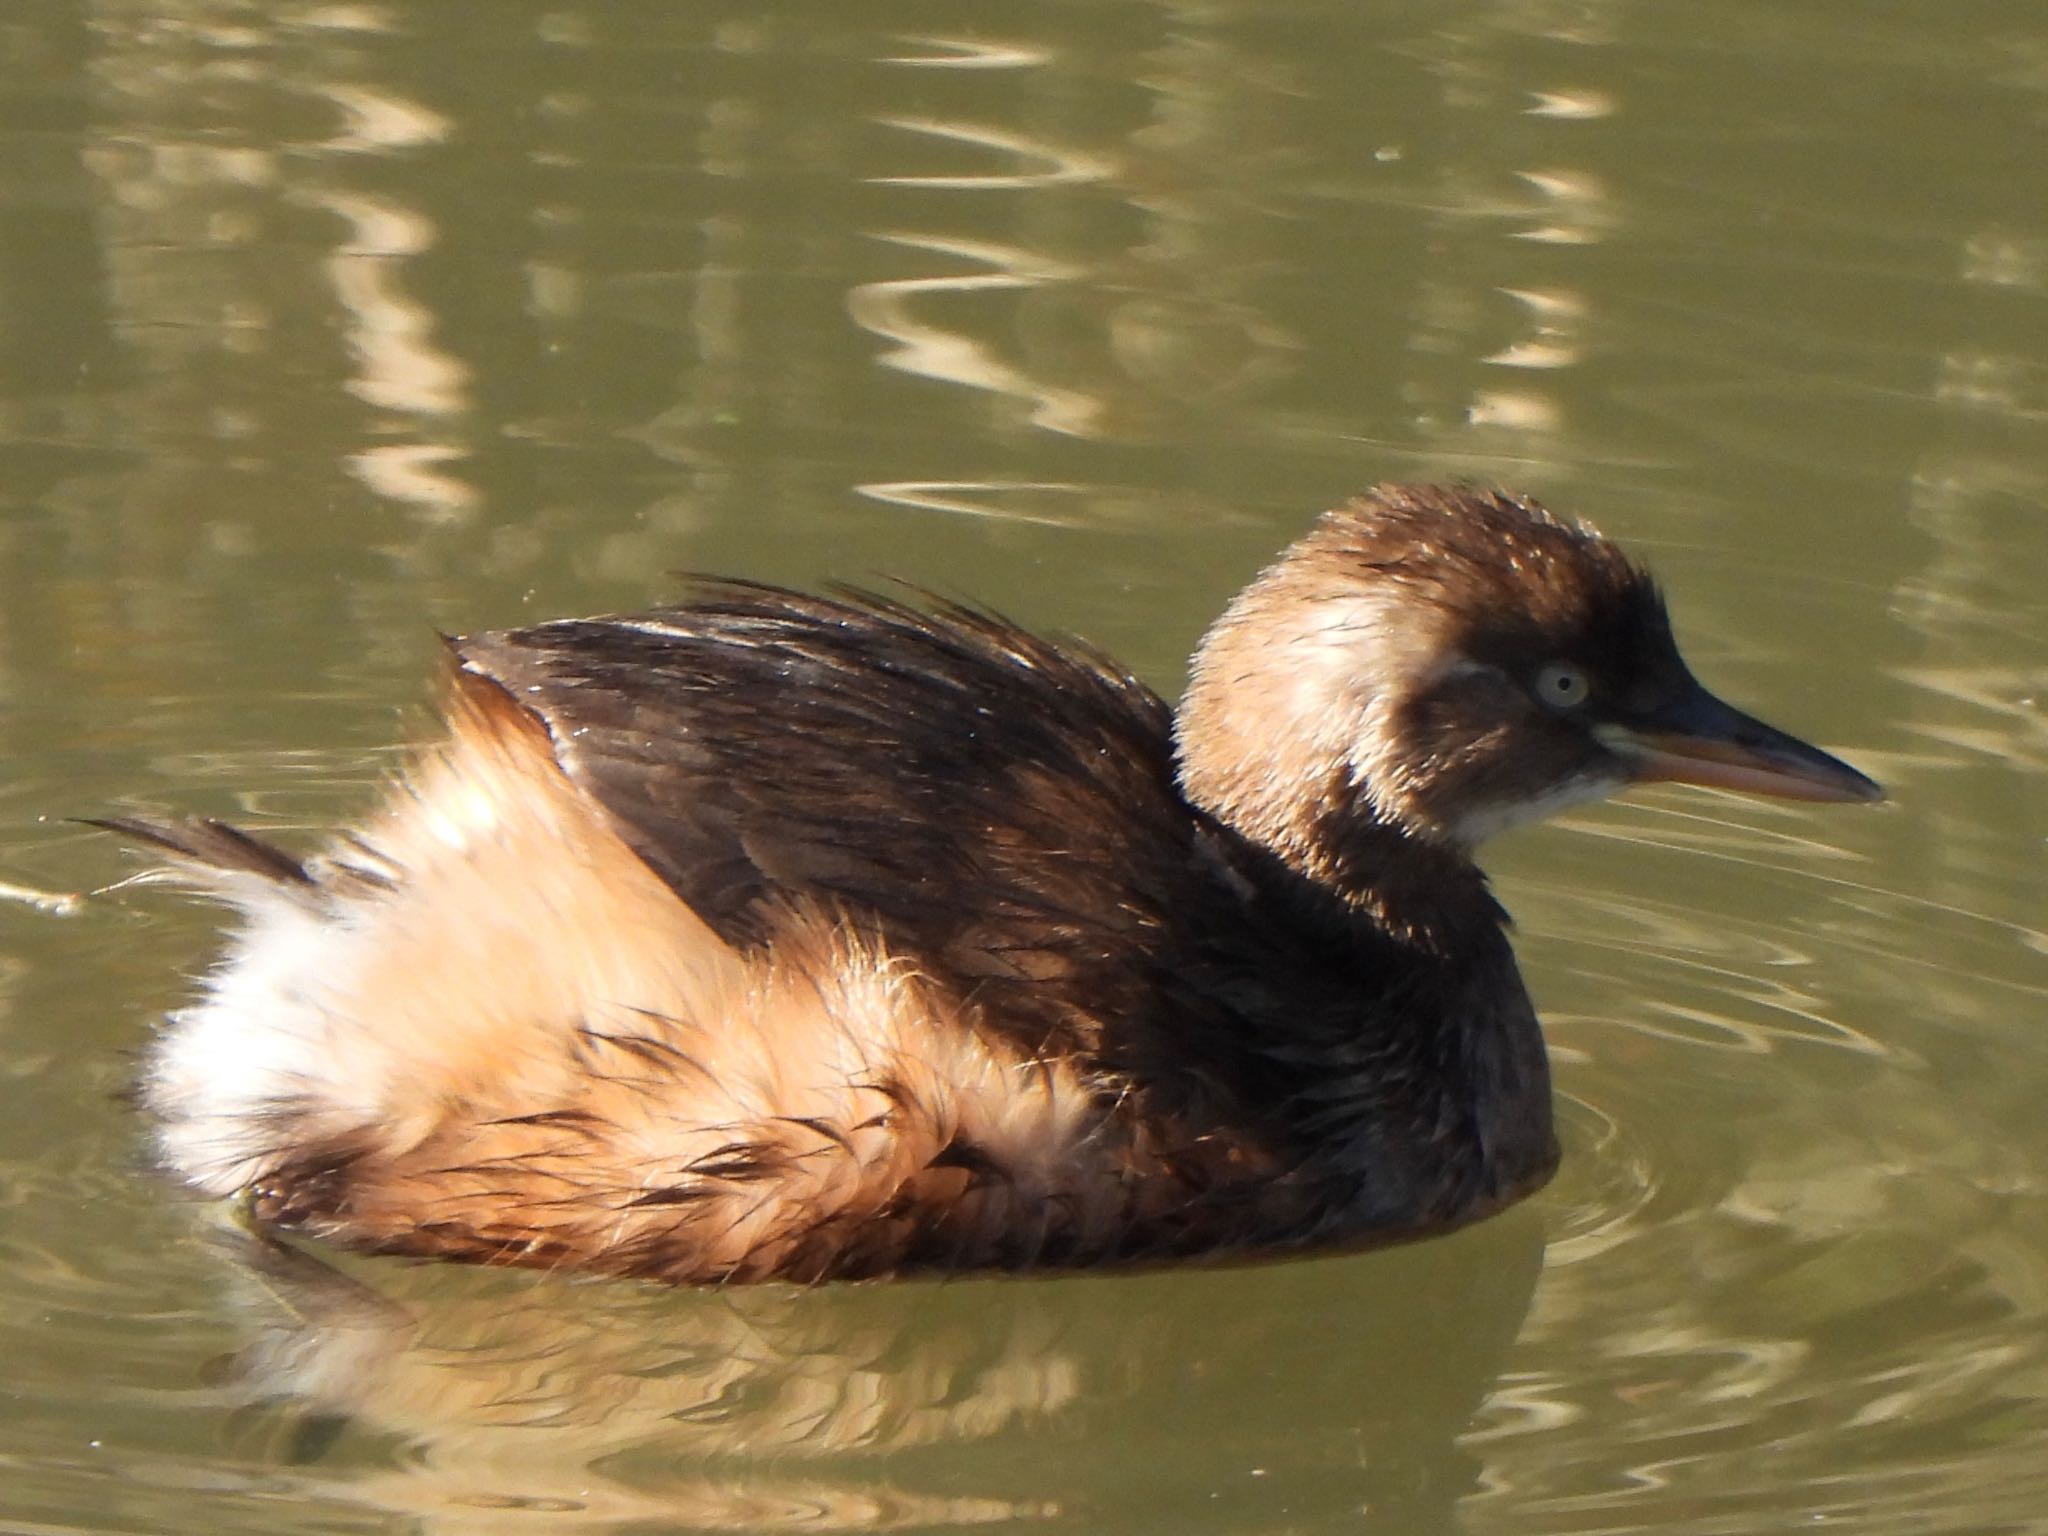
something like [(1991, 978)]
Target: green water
[(323, 326)]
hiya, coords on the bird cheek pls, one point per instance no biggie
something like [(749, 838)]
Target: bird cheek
[(1514, 774), (1464, 703)]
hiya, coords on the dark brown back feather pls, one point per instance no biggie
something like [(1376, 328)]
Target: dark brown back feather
[(212, 843), (1000, 807)]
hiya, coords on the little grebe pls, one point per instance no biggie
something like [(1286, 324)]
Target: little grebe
[(773, 935)]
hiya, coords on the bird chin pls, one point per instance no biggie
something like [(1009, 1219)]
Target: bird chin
[(1489, 821)]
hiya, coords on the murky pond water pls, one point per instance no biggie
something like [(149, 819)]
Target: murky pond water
[(326, 325)]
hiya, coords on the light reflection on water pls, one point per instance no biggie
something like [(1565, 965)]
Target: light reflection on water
[(352, 321)]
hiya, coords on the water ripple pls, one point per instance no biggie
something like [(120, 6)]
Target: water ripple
[(1049, 504), (970, 53), (954, 354), (1041, 164)]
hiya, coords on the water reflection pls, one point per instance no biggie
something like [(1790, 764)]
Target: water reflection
[(1050, 506), (925, 345), (765, 1408), (195, 225), (970, 53), (1166, 321), (1035, 163)]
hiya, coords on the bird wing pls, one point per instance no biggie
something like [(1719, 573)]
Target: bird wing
[(1001, 808)]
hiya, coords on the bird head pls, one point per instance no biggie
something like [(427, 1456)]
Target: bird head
[(1452, 663)]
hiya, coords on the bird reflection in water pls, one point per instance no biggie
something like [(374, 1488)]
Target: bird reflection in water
[(883, 1407)]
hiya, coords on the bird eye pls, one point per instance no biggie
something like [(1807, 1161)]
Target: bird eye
[(1562, 686)]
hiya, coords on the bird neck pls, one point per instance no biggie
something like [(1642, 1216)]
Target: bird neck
[(1394, 1047), (1287, 728), (1261, 760), (1382, 1034)]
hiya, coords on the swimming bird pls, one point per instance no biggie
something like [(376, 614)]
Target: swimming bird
[(773, 935)]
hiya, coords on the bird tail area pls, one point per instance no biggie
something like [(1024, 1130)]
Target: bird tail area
[(444, 952), (212, 847), (484, 1028)]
